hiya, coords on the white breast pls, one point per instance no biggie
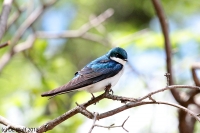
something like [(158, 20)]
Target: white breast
[(100, 86)]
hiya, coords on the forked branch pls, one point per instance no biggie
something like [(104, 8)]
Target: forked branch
[(130, 103)]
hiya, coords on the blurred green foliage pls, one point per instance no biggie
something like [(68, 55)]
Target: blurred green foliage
[(45, 67)]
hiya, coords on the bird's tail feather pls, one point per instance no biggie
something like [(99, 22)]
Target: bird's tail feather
[(57, 91), (49, 93)]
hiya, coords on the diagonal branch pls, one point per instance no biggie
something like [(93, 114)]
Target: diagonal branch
[(172, 87), (131, 103), (10, 125), (51, 124), (112, 126), (21, 30), (135, 104), (193, 93), (20, 47), (16, 15), (126, 99), (94, 121), (164, 26), (4, 44), (82, 32), (194, 75), (4, 16), (28, 22)]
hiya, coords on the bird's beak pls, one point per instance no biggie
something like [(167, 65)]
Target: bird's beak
[(125, 60)]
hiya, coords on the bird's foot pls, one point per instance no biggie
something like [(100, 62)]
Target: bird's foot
[(108, 89), (93, 97)]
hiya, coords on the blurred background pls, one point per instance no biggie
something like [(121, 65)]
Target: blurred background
[(53, 59)]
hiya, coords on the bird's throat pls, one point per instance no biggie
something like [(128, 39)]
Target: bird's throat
[(123, 62)]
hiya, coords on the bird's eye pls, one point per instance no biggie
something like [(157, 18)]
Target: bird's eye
[(119, 56)]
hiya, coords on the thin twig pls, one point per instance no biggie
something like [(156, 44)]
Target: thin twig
[(26, 24), (10, 125), (84, 111), (4, 16), (94, 121), (167, 75), (16, 15), (194, 75), (193, 93), (126, 99), (4, 44), (152, 99), (19, 48), (20, 31), (132, 103), (82, 32), (182, 108), (170, 88), (112, 125), (135, 104), (51, 124)]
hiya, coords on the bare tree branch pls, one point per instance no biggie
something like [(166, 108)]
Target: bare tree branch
[(27, 23), (19, 48), (112, 125), (94, 121), (4, 44), (170, 88), (108, 127), (164, 25), (14, 17), (82, 32), (184, 125), (51, 124), (10, 125), (85, 112), (131, 103), (192, 94), (4, 16), (194, 75)]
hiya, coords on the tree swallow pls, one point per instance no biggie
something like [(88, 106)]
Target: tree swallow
[(95, 76)]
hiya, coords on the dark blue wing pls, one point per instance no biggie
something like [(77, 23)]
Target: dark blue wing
[(99, 69)]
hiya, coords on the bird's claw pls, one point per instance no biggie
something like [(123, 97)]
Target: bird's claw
[(110, 90)]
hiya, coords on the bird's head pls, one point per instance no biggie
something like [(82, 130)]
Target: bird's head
[(118, 54)]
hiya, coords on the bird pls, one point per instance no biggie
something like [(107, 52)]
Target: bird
[(96, 75)]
